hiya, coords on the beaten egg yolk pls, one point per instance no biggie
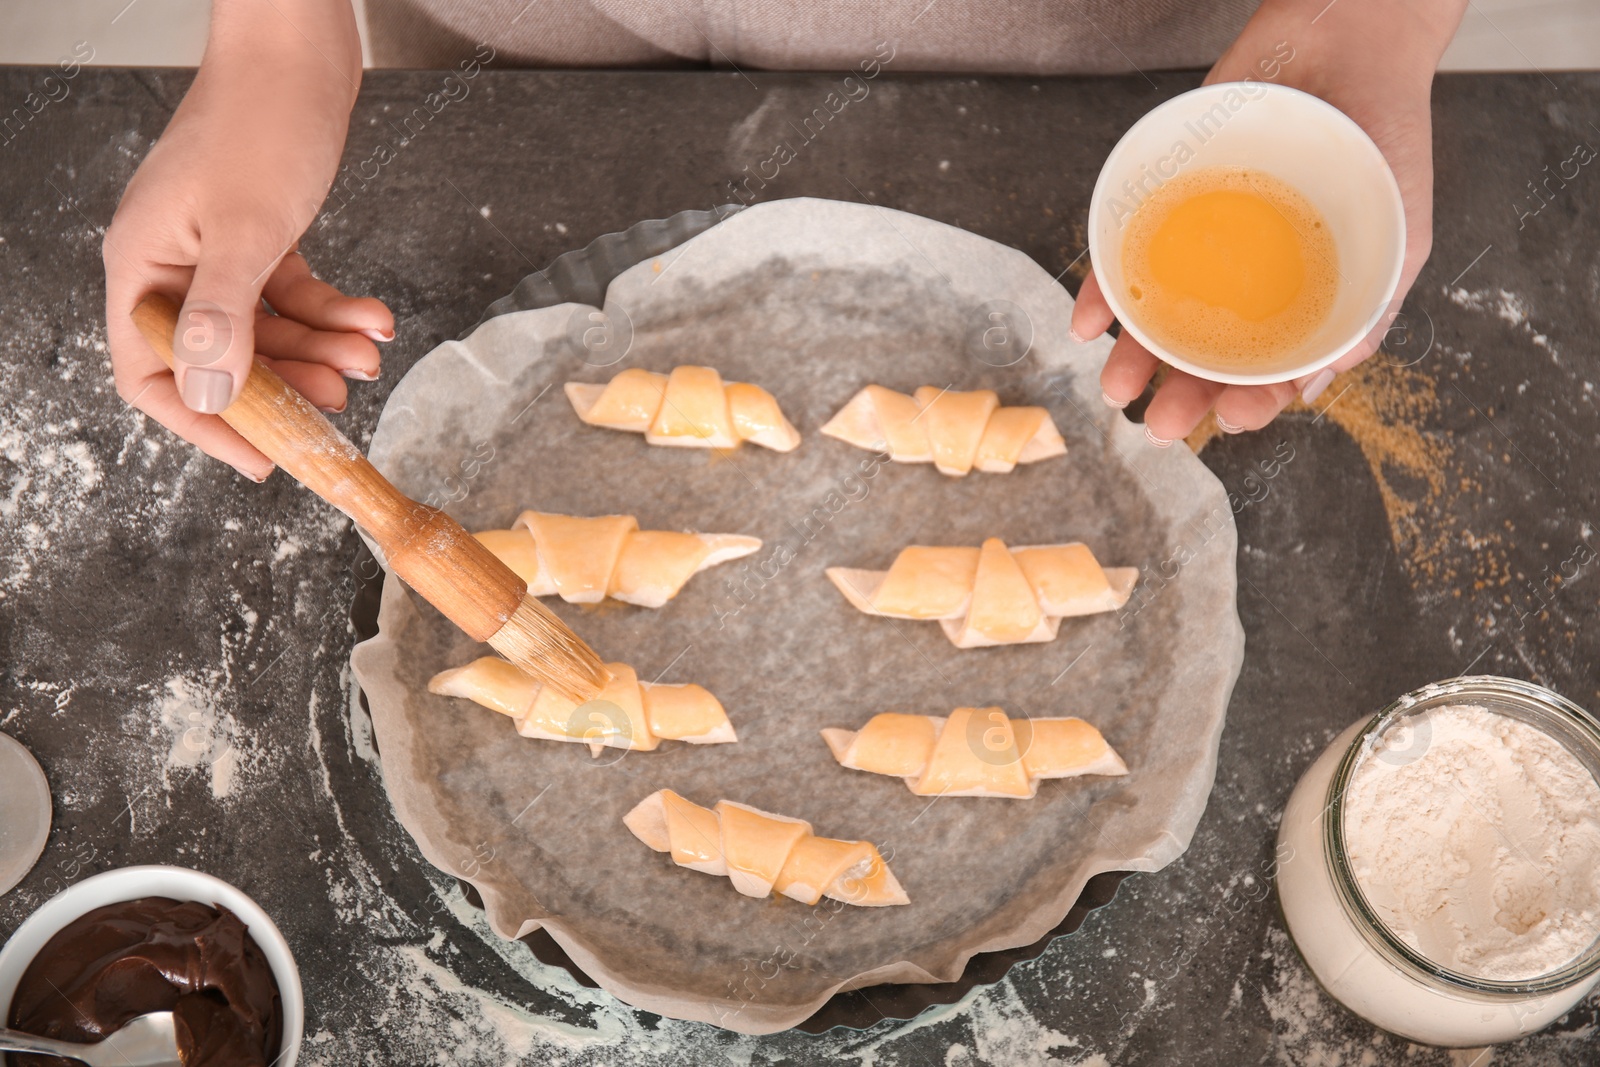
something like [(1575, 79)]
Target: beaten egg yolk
[(1229, 249)]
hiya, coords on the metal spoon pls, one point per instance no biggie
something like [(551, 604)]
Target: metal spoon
[(148, 1041)]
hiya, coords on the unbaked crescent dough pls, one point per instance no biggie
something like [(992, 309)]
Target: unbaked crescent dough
[(627, 714), (954, 431), (975, 752), (992, 595), (584, 560), (760, 852), (690, 408)]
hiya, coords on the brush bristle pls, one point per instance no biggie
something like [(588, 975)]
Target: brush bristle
[(541, 644)]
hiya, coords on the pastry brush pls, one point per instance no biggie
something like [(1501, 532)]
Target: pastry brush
[(449, 567)]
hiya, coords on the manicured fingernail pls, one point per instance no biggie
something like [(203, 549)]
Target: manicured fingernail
[(1073, 333), (1159, 442), (251, 475), (207, 391), (1228, 427), (359, 375), (333, 411), (1110, 403), (1316, 385), (379, 336)]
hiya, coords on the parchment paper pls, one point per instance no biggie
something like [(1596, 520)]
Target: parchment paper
[(811, 299)]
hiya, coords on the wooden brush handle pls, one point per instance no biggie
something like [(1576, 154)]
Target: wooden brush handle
[(446, 565)]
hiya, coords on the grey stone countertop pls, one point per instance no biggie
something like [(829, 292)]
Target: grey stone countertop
[(176, 640)]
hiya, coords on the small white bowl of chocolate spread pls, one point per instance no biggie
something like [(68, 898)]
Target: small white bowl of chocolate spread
[(143, 939)]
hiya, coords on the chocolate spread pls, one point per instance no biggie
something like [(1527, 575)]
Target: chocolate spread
[(154, 954)]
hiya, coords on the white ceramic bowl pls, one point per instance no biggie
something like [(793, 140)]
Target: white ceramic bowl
[(131, 883), (1295, 137)]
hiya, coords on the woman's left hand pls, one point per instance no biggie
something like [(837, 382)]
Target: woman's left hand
[(1372, 59)]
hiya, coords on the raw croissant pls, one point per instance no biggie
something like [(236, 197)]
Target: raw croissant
[(628, 713), (585, 560), (953, 431), (690, 408), (976, 752), (990, 595), (760, 852)]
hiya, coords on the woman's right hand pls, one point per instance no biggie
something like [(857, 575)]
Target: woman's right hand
[(214, 214)]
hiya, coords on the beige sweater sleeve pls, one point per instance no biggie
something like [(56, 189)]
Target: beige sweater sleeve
[(989, 36)]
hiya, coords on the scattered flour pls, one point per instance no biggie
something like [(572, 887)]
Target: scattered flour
[(1307, 1030), (50, 477), (204, 738), (1505, 306), (1005, 1031), (436, 1017)]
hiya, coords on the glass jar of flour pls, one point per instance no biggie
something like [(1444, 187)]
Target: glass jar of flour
[(1440, 863)]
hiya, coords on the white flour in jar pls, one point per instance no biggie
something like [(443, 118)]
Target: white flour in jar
[(1476, 838)]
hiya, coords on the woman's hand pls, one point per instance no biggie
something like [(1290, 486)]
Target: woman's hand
[(213, 216), (1372, 59)]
